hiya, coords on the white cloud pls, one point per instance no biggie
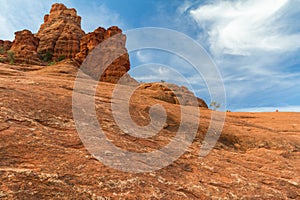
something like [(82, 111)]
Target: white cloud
[(23, 14), (27, 14), (245, 27), (255, 45), (144, 57), (184, 7), (95, 15)]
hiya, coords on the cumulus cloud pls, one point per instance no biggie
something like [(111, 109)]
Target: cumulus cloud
[(184, 7), (245, 27), (255, 45)]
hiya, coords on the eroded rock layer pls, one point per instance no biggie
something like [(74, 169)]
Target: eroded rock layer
[(25, 47), (110, 61), (60, 33), (5, 45), (172, 93)]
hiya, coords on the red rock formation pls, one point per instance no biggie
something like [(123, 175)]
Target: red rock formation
[(111, 54), (172, 93), (89, 42), (25, 47), (61, 36), (5, 45), (60, 33)]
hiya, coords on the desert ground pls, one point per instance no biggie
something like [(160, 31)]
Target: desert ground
[(42, 157)]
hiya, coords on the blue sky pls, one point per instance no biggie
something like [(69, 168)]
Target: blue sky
[(255, 44)]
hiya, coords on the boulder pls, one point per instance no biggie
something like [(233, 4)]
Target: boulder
[(172, 93)]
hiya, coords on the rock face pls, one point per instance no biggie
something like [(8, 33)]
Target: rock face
[(88, 42), (110, 58), (25, 47), (5, 45), (60, 33), (172, 93)]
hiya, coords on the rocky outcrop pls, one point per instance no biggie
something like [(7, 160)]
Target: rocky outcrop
[(60, 33), (25, 47), (5, 45), (89, 41), (61, 36), (110, 59), (172, 93)]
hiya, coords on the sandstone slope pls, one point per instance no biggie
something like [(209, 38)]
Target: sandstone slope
[(42, 157)]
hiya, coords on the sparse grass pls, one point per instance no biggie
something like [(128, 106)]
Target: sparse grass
[(61, 57)]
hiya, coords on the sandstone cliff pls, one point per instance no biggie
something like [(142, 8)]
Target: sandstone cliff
[(60, 33)]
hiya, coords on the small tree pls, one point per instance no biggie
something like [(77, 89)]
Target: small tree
[(215, 105), (11, 57), (47, 57)]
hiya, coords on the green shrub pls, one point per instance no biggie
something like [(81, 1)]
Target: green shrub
[(11, 57), (2, 51), (47, 57), (61, 57), (51, 63), (2, 60)]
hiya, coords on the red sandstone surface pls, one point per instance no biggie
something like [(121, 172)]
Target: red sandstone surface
[(42, 156)]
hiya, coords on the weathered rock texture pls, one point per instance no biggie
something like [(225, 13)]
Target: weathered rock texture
[(25, 47), (89, 41), (110, 59), (42, 156), (60, 33), (172, 93), (5, 45)]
